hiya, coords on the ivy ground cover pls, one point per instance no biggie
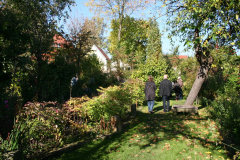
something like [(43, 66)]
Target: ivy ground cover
[(166, 136)]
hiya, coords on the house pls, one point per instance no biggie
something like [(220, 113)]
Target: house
[(101, 55), (58, 43)]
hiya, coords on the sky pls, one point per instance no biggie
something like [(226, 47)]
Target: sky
[(81, 9)]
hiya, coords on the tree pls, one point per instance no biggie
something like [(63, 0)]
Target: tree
[(154, 45), (133, 41), (39, 24), (80, 41), (200, 22), (117, 9), (13, 43), (96, 26)]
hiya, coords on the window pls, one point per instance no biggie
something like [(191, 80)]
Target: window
[(58, 45)]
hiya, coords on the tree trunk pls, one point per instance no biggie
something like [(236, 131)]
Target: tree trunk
[(196, 86), (39, 76), (119, 41), (205, 60)]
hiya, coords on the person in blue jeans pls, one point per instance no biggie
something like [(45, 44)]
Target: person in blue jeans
[(149, 90), (165, 92)]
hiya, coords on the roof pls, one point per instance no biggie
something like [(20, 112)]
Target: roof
[(58, 39), (182, 56), (103, 53)]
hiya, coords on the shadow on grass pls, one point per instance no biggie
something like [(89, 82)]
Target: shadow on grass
[(171, 126)]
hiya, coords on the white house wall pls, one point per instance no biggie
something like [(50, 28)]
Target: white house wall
[(100, 56)]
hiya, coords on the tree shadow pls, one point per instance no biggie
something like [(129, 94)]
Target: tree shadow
[(171, 126), (156, 109)]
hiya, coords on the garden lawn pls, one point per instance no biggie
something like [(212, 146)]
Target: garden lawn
[(158, 136)]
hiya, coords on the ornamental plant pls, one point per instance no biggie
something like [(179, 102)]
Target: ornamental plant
[(76, 105), (136, 87), (114, 100), (42, 126)]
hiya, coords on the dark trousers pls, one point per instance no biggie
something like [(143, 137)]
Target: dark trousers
[(165, 98), (177, 93)]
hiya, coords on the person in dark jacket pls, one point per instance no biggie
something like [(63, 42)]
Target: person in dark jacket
[(177, 90), (165, 92), (181, 86), (149, 90)]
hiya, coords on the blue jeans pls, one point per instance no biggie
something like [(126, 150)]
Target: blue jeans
[(181, 95), (150, 105), (165, 98)]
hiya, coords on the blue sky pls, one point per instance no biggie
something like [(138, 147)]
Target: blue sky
[(81, 9)]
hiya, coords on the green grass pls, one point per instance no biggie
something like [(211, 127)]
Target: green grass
[(158, 136)]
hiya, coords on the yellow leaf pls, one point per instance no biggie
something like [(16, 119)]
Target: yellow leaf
[(237, 16), (232, 43), (213, 66)]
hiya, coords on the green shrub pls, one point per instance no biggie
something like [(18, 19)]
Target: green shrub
[(222, 91), (225, 111), (136, 87), (113, 100)]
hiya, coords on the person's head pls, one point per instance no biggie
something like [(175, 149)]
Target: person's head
[(179, 77), (150, 78), (165, 76)]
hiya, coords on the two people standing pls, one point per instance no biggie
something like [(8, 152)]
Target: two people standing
[(165, 92)]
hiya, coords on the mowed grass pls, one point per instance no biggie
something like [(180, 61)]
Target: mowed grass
[(158, 136)]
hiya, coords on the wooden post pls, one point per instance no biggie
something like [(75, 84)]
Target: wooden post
[(136, 102), (133, 110), (116, 123)]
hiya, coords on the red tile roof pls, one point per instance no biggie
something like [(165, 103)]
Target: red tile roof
[(182, 57), (105, 55)]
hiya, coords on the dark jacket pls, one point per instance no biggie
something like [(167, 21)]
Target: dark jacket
[(165, 87), (180, 82), (149, 90), (177, 87)]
